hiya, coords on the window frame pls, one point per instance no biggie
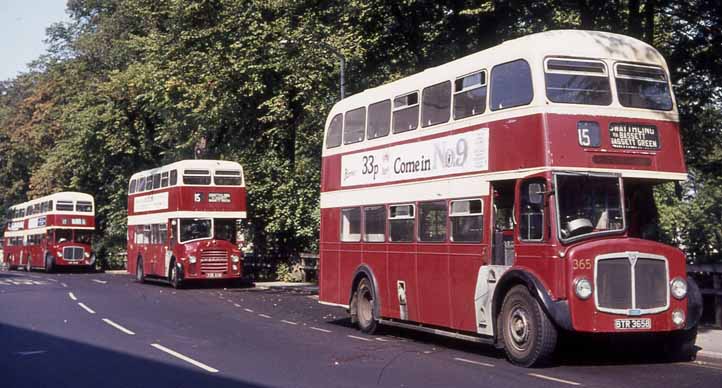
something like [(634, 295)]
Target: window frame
[(388, 118), (446, 222), (412, 217), (328, 132), (364, 234), (395, 109), (666, 81), (360, 224), (449, 103), (345, 126), (451, 215), (604, 74), (491, 86)]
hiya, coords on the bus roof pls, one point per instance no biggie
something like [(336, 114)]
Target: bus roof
[(534, 48), (61, 196), (192, 163)]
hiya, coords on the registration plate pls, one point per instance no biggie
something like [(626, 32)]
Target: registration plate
[(213, 275), (633, 324)]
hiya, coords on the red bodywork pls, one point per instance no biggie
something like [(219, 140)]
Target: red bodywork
[(441, 277)]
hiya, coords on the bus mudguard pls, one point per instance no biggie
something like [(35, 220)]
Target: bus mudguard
[(364, 271), (558, 311)]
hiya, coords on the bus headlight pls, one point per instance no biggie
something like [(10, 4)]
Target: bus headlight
[(583, 288), (87, 255), (235, 258), (192, 259), (678, 286), (678, 317)]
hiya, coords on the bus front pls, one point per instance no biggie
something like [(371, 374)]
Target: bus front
[(70, 225), (212, 205)]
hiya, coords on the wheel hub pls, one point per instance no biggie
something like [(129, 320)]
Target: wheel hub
[(519, 328)]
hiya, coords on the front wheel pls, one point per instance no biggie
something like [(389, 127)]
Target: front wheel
[(174, 276), (528, 335), (680, 345), (48, 263), (365, 296), (139, 274)]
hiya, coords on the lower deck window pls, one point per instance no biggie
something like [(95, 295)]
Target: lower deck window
[(466, 220), (351, 224), (432, 221), (401, 223), (375, 223)]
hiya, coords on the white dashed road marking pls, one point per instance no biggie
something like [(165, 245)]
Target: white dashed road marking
[(359, 338), (64, 285), (86, 308), (31, 352), (72, 296), (52, 280), (185, 358), (381, 339), (265, 316), (320, 329), (237, 305), (474, 362), (249, 310), (100, 281), (289, 322), (553, 379), (117, 326)]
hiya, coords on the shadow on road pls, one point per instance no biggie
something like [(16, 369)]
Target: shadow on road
[(33, 359)]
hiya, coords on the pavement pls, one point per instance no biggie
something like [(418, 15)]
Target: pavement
[(709, 340), (90, 330)]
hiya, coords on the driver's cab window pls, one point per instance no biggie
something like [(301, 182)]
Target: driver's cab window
[(531, 212)]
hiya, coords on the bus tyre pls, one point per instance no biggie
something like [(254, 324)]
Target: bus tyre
[(48, 263), (680, 345), (365, 297), (174, 276), (528, 335), (139, 274)]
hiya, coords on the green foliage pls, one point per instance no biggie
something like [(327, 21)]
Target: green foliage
[(132, 84)]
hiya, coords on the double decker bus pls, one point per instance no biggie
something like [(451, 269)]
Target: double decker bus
[(51, 232), (183, 221), (507, 196)]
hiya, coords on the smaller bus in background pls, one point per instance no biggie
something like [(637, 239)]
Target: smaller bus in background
[(51, 232), (183, 221)]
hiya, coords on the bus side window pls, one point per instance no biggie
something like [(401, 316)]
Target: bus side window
[(406, 112), (436, 102), (374, 223), (470, 95), (379, 119), (511, 85), (354, 126), (401, 223), (131, 190), (351, 224), (173, 177), (141, 184), (432, 221), (164, 179), (149, 183), (333, 137), (156, 181), (466, 220)]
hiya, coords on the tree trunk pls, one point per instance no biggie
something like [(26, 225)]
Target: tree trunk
[(634, 22), (649, 8)]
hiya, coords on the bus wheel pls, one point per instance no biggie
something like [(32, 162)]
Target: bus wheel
[(680, 345), (174, 276), (48, 263), (529, 336), (139, 275), (365, 307)]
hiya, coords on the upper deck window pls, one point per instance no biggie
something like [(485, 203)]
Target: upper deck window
[(354, 126), (65, 206), (406, 112), (164, 179), (379, 119), (228, 178), (173, 177), (196, 177), (84, 206), (470, 95), (149, 183), (156, 181), (333, 137), (577, 82), (643, 87), (141, 184), (511, 85), (436, 101), (133, 183)]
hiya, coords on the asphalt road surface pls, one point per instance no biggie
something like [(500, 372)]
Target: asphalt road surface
[(104, 330)]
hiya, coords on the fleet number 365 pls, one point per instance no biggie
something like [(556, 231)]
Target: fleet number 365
[(582, 264)]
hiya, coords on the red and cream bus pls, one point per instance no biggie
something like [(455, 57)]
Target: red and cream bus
[(506, 196), (183, 221), (51, 232)]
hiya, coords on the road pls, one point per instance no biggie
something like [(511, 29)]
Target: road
[(105, 330)]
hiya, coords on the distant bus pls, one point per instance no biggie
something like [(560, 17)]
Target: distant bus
[(183, 221), (51, 232), (508, 195)]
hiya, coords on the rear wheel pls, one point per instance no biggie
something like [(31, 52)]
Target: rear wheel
[(529, 336), (365, 297), (139, 274)]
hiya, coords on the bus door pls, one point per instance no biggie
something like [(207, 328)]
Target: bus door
[(501, 223)]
